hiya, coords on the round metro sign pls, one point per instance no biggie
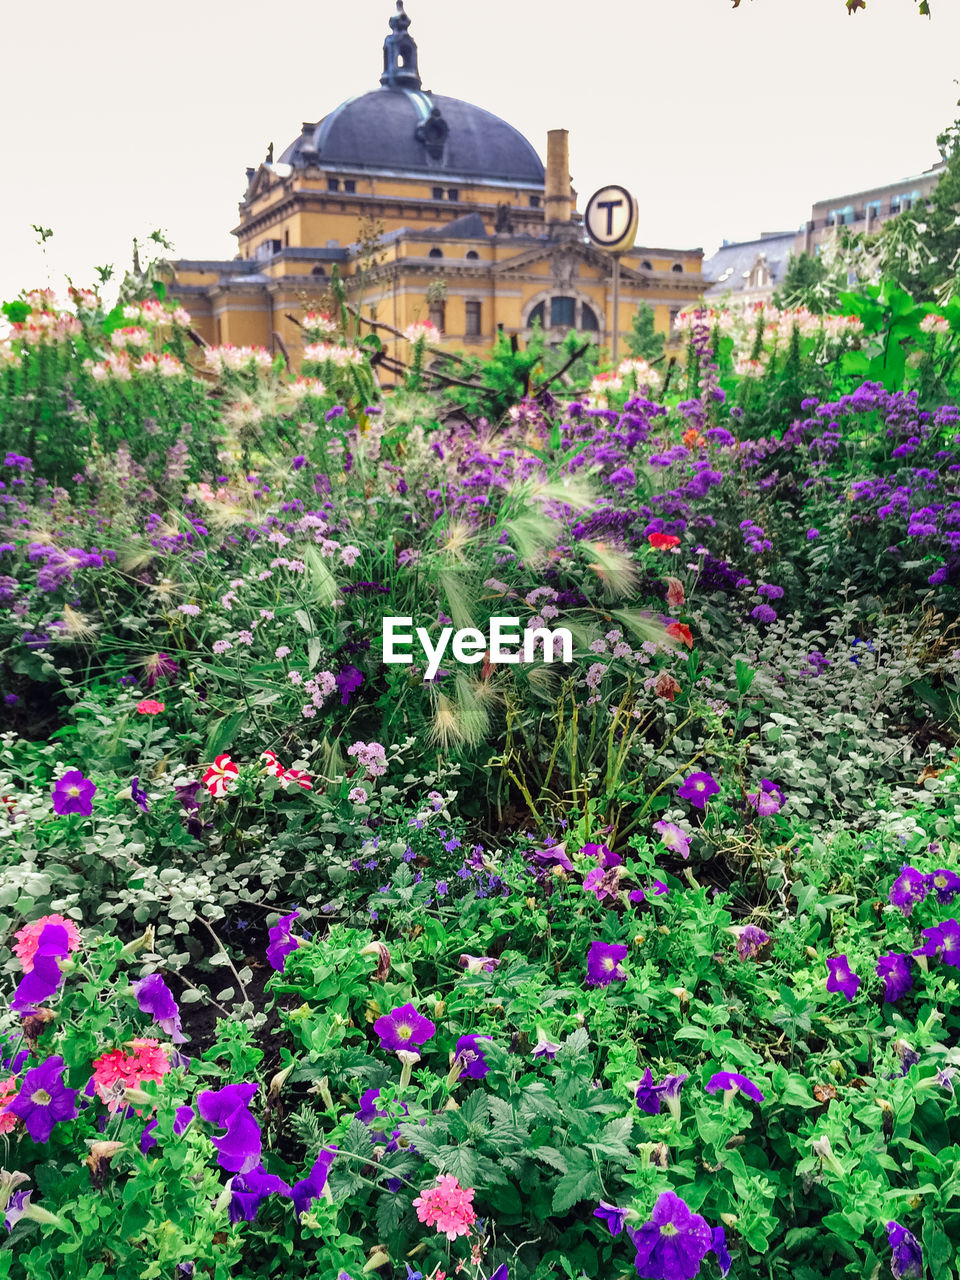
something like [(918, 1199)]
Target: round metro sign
[(611, 218)]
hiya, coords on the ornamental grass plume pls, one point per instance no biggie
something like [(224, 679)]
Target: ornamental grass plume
[(447, 1206)]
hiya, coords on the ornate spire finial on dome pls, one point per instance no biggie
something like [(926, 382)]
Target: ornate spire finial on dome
[(400, 54)]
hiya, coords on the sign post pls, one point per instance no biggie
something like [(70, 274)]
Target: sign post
[(611, 222)]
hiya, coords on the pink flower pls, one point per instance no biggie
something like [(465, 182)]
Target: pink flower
[(150, 707), (116, 1071), (447, 1206), (8, 1091), (29, 936), (219, 776), (357, 795), (675, 596)]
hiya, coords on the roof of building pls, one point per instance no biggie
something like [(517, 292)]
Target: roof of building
[(399, 127), (729, 268)]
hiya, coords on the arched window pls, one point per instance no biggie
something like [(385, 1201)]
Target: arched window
[(563, 312), (472, 255), (319, 271), (677, 266), (537, 314), (588, 318), (435, 253), (647, 266)]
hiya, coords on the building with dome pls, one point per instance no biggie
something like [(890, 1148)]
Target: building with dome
[(430, 208)]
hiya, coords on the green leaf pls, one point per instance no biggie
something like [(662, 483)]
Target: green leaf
[(221, 734), (574, 1187)]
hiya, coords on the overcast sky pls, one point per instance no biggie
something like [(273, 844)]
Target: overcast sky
[(121, 117)]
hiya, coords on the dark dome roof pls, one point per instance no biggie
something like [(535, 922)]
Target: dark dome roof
[(406, 129)]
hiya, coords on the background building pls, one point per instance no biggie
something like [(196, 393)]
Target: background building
[(751, 270), (476, 234)]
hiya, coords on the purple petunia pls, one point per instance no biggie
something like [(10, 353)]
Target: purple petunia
[(614, 1217), (943, 942), (672, 1245), (44, 978), (698, 789), (909, 888), (403, 1028), (475, 1065), (907, 1256), (281, 942), (732, 1083), (139, 797), (73, 793), (946, 884), (894, 969), (603, 963), (156, 998), (749, 942), (44, 1099), (249, 1190), (648, 1094), (840, 978), (239, 1148), (308, 1189), (767, 799)]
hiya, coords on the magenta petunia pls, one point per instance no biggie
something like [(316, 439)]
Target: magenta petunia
[(731, 1083), (403, 1028), (281, 941), (73, 793), (698, 789), (767, 799)]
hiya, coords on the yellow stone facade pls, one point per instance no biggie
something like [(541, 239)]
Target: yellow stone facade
[(474, 251)]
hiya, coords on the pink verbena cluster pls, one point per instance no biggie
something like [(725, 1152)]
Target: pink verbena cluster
[(116, 1071), (447, 1206), (372, 756)]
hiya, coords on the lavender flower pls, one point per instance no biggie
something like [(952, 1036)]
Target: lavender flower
[(673, 837)]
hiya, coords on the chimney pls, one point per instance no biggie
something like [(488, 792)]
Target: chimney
[(557, 188)]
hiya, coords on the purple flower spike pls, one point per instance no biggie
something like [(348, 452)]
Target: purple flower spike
[(73, 794), (614, 1217), (603, 963), (750, 941), (156, 998), (281, 942), (909, 888), (44, 1099), (894, 969), (44, 978), (673, 1243), (698, 789), (250, 1190), (840, 978), (403, 1028), (239, 1148), (311, 1187), (731, 1083), (907, 1259)]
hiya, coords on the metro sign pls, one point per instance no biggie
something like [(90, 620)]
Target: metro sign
[(611, 219)]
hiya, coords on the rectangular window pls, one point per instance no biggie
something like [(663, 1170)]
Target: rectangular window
[(534, 202), (349, 185), (473, 320), (562, 313), (333, 184), (453, 194), (438, 316), (873, 209), (438, 193)]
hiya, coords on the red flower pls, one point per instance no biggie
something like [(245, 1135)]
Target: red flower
[(149, 707), (677, 631), (219, 775), (662, 541)]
